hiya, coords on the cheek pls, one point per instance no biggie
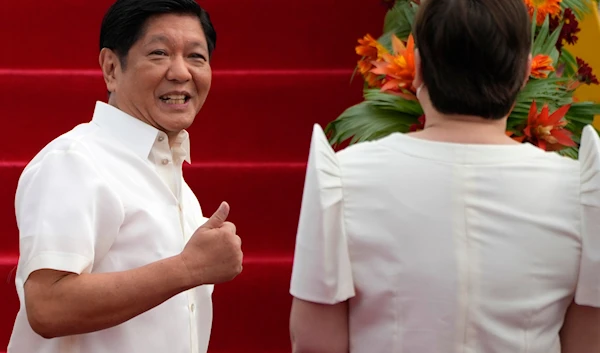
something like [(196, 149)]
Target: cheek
[(203, 80), (149, 76)]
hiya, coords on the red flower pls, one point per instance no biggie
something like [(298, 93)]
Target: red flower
[(584, 74), (569, 30), (547, 131), (419, 126)]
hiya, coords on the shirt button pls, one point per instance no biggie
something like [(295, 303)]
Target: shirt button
[(165, 161), (192, 307), (161, 139)]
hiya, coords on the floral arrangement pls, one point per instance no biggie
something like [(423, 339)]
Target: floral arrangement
[(546, 113)]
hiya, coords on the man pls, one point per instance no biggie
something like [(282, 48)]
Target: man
[(115, 254)]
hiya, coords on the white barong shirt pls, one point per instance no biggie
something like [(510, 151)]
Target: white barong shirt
[(109, 196)]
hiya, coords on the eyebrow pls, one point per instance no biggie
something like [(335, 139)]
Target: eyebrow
[(164, 39)]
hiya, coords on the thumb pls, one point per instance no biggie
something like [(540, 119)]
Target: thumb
[(218, 218)]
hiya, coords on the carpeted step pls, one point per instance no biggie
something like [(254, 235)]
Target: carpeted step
[(249, 116), (251, 312), (251, 33), (265, 202)]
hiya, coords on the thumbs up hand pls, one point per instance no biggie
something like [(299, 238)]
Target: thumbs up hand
[(214, 252)]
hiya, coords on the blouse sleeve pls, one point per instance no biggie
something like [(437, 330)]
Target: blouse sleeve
[(588, 285), (321, 272)]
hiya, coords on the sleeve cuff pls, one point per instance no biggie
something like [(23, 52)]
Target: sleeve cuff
[(588, 297), (58, 261)]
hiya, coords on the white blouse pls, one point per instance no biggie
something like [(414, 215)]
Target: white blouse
[(444, 247)]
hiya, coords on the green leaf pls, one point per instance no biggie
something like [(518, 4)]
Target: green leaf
[(388, 101), (366, 122), (579, 7), (583, 112), (545, 42), (570, 62), (533, 25), (550, 90), (399, 21), (541, 36), (549, 47), (570, 152)]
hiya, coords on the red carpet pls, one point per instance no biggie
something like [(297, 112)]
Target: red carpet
[(279, 67)]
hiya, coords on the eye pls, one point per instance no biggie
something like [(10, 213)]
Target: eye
[(198, 56), (159, 52)]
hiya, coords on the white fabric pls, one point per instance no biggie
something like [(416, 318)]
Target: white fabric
[(445, 247), (588, 288), (109, 196)]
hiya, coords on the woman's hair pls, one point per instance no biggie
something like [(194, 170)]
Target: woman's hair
[(474, 54)]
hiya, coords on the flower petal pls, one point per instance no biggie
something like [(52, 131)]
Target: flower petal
[(558, 115), (390, 85), (543, 116), (397, 45), (564, 137), (532, 114)]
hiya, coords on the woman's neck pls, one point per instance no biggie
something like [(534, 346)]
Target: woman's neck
[(463, 129)]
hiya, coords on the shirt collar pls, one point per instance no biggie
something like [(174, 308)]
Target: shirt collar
[(181, 145), (134, 133)]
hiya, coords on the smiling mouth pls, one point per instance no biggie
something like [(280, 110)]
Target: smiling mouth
[(175, 99)]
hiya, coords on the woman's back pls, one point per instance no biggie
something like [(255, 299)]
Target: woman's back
[(468, 246), (438, 245), (414, 245)]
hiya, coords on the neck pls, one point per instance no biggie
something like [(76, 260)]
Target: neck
[(463, 129)]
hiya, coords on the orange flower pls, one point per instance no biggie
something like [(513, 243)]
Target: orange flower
[(398, 69), (547, 131), (541, 65), (370, 50), (544, 8), (365, 67)]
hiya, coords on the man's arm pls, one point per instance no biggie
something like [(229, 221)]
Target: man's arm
[(581, 330), (62, 304), (319, 328)]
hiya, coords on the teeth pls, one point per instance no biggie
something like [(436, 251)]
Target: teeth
[(173, 97), (174, 101)]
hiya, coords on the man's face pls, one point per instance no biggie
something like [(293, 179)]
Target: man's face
[(167, 75)]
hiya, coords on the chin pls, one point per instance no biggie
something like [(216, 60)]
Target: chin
[(182, 125)]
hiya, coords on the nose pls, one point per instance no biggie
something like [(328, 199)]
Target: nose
[(178, 70)]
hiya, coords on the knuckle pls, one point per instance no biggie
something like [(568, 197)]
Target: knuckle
[(230, 227)]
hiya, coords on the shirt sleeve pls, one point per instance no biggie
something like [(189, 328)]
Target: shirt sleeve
[(322, 272), (67, 215), (588, 284)]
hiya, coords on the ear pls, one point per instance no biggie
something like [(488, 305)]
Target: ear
[(418, 81), (109, 63), (527, 71)]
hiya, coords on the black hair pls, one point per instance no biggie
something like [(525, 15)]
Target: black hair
[(124, 22), (474, 54)]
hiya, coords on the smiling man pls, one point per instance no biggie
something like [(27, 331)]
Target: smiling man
[(115, 255)]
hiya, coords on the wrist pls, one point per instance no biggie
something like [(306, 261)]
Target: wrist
[(181, 274)]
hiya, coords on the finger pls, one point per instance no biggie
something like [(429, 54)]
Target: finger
[(229, 227), (218, 218)]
